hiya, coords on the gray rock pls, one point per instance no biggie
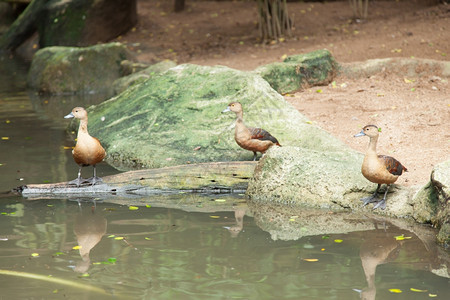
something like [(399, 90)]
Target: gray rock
[(58, 70), (440, 178), (325, 179)]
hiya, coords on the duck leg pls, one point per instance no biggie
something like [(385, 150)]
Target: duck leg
[(93, 180), (254, 155), (372, 198), (382, 203), (79, 180)]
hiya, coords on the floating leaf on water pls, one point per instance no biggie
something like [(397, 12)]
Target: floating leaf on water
[(5, 138), (148, 239), (85, 275), (418, 291), (338, 241), (58, 253), (133, 207), (311, 259), (395, 291), (76, 247), (402, 237), (148, 206), (111, 236), (112, 260), (432, 295), (34, 254), (214, 217), (325, 237), (323, 249), (119, 238), (220, 200)]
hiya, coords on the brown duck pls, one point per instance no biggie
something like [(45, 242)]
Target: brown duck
[(88, 151), (249, 138), (378, 168)]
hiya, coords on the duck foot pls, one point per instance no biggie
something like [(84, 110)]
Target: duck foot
[(370, 199), (78, 181), (94, 180), (380, 204)]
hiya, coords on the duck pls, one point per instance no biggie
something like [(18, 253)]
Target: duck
[(380, 169), (88, 151), (250, 138)]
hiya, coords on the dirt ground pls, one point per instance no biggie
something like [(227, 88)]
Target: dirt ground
[(413, 112)]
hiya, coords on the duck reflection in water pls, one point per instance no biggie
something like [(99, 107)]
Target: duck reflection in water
[(89, 228), (234, 230), (380, 249)]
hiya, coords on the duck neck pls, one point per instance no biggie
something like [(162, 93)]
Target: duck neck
[(240, 117), (373, 145), (82, 129)]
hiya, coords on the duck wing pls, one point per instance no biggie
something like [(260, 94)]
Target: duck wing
[(392, 165), (263, 135)]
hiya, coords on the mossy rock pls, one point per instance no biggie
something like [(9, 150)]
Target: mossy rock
[(60, 70), (84, 22), (299, 71), (175, 118)]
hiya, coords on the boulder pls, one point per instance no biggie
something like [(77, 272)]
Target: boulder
[(84, 22), (175, 118), (325, 179), (440, 179), (58, 70), (71, 22), (300, 71)]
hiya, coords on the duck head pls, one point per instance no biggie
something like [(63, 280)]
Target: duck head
[(369, 130), (78, 113), (234, 107)]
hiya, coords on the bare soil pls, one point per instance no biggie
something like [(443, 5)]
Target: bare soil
[(413, 112)]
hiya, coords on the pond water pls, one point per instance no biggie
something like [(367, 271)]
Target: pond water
[(81, 248)]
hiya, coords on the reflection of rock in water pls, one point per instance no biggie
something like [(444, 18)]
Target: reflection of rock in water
[(292, 223), (89, 229), (239, 214)]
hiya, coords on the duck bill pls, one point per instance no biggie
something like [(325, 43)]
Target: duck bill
[(69, 116), (360, 134), (226, 110)]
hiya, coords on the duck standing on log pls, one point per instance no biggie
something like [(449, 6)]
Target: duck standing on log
[(88, 151), (378, 168), (249, 138)]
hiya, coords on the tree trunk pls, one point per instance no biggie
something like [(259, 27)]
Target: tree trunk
[(273, 19), (215, 177), (23, 27), (178, 5)]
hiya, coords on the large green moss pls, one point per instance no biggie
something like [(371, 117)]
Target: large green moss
[(175, 118), (299, 71)]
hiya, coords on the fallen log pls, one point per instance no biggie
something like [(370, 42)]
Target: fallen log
[(215, 177)]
